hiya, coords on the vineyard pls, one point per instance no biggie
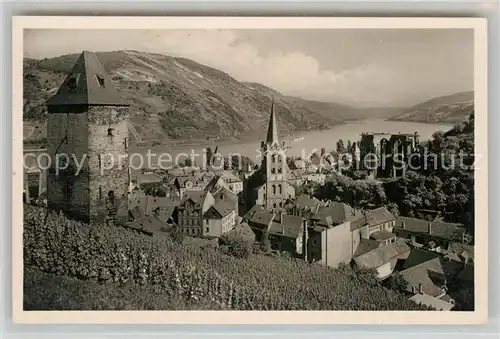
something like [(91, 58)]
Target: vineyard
[(114, 256)]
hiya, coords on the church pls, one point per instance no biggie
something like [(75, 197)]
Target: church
[(269, 187)]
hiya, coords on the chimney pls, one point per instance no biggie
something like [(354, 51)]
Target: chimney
[(429, 228), (420, 290), (403, 225)]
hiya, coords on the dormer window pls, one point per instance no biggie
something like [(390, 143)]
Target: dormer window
[(73, 82), (100, 80)]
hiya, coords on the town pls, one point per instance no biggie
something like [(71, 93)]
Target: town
[(273, 203)]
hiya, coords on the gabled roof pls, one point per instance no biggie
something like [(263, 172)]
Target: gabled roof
[(150, 225), (306, 201), (382, 235), (382, 255), (195, 196), (339, 213), (242, 230), (257, 214), (438, 304), (87, 84), (365, 246), (441, 229), (222, 209), (289, 226), (379, 216)]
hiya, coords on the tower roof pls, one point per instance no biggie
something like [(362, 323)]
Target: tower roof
[(272, 129), (87, 84)]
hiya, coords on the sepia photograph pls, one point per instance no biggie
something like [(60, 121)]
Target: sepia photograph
[(252, 169)]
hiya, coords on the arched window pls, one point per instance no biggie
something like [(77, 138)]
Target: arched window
[(274, 189), (274, 205), (279, 170), (273, 158), (273, 170), (281, 204), (279, 158), (280, 188)]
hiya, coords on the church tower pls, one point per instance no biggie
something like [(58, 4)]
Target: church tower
[(87, 134), (277, 189)]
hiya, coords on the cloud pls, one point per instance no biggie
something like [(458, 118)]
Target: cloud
[(380, 81), (290, 72)]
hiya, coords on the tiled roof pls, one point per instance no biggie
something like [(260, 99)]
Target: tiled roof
[(257, 214), (306, 201), (339, 213), (87, 84), (422, 273), (462, 250), (445, 230), (382, 235), (223, 207), (196, 196), (379, 216), (365, 246), (150, 225), (290, 226), (382, 255), (438, 304), (242, 230)]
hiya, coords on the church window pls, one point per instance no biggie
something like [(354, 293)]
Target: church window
[(273, 170), (274, 205), (279, 158), (125, 143), (273, 158), (100, 80), (280, 189), (100, 190), (274, 189), (281, 204), (279, 170)]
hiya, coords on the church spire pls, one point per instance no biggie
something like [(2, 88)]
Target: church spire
[(272, 129)]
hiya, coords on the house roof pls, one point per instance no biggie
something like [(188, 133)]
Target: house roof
[(379, 216), (382, 255), (290, 226), (92, 85), (441, 229), (227, 193), (424, 272), (148, 204), (306, 201), (257, 214), (382, 235), (339, 213), (151, 225), (438, 304), (462, 251), (195, 196), (242, 230), (223, 208), (365, 246)]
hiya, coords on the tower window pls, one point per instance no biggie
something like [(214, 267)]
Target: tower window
[(110, 132), (274, 205), (125, 142), (273, 170), (273, 158), (280, 188), (73, 82), (279, 170), (279, 158), (274, 189), (100, 80), (100, 192)]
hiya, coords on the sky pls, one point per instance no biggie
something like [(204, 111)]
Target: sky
[(359, 67)]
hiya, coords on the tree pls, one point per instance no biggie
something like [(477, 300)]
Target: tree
[(235, 246), (210, 155), (340, 146), (397, 282)]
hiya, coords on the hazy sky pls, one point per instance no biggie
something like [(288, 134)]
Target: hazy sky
[(357, 67)]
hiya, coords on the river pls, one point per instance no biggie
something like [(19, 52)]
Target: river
[(312, 140)]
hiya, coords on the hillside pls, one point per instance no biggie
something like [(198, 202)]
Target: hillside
[(445, 109), (177, 98)]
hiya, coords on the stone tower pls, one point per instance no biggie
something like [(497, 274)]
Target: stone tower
[(275, 166), (87, 134)]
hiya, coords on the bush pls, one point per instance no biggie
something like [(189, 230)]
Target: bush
[(396, 282), (235, 246), (119, 256)]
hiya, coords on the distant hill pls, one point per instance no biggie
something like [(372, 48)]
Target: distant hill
[(180, 99), (445, 109)]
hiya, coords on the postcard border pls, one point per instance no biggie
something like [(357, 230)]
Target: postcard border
[(255, 317)]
